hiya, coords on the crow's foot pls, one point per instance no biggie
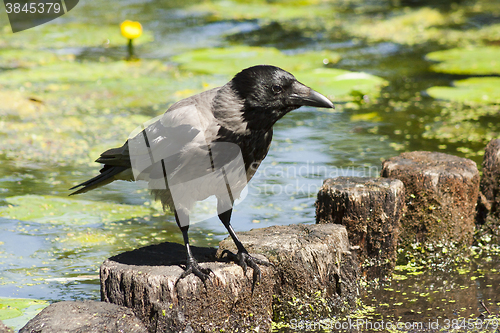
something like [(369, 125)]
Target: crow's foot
[(245, 260), (193, 267)]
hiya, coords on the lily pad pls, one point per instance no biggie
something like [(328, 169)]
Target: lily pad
[(343, 85), (231, 60), (68, 35), (56, 210), (258, 9), (11, 308), (478, 60), (336, 83), (482, 90)]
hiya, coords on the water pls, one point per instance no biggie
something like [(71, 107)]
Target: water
[(39, 261)]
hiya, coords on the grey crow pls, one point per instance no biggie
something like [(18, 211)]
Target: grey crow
[(210, 144)]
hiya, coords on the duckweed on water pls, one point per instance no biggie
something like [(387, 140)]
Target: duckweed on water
[(462, 123)]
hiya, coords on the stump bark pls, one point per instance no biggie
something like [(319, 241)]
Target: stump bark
[(84, 317), (370, 209), (441, 195), (144, 280), (316, 274), (488, 216)]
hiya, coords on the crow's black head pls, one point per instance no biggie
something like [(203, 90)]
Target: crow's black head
[(269, 92)]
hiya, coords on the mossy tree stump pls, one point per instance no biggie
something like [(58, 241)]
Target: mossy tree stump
[(489, 204), (441, 196), (144, 280), (316, 274), (370, 209)]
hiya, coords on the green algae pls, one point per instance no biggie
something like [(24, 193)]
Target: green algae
[(68, 112), (68, 35), (21, 58), (414, 26), (57, 210), (73, 72), (48, 133), (118, 84)]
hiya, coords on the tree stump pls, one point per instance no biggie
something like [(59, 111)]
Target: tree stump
[(489, 204), (316, 275), (144, 280), (441, 195), (370, 209)]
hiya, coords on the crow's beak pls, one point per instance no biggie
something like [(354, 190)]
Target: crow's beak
[(304, 96)]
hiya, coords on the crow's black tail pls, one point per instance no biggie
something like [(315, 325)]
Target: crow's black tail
[(106, 176), (115, 161)]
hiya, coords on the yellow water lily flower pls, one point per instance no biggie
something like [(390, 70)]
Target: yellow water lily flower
[(131, 29)]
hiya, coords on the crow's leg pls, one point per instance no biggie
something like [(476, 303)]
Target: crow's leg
[(242, 258), (192, 265)]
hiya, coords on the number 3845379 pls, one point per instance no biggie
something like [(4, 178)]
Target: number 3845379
[(33, 7)]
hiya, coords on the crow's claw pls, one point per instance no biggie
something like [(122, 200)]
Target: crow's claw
[(245, 260), (193, 267)]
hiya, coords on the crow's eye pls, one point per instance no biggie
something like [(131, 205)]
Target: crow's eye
[(277, 89)]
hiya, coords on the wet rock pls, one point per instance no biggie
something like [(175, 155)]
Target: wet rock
[(441, 196), (370, 209), (84, 317), (144, 280), (4, 329), (316, 274), (488, 212)]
